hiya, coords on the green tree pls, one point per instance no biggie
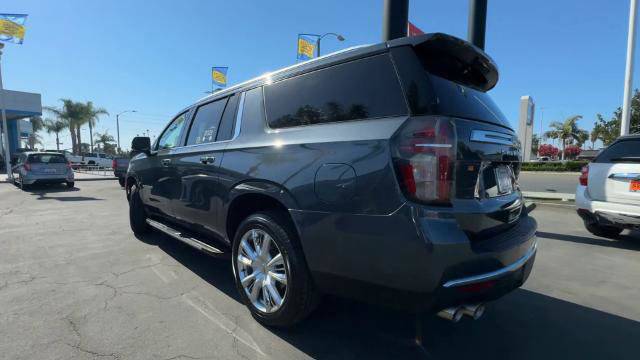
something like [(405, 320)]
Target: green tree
[(596, 133), (566, 131), (71, 113), (55, 127), (107, 141), (610, 129), (91, 115), (535, 143), (36, 125)]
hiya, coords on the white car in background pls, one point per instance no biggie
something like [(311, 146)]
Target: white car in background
[(608, 196), (98, 159)]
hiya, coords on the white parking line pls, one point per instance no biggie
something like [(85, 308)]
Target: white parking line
[(217, 318)]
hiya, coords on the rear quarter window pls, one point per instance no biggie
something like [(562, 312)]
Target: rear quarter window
[(621, 151), (360, 89)]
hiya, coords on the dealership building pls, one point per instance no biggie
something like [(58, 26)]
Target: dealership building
[(19, 106)]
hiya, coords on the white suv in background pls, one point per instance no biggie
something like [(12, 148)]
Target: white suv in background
[(608, 196)]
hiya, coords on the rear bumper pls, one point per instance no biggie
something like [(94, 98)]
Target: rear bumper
[(31, 179), (413, 257), (606, 213)]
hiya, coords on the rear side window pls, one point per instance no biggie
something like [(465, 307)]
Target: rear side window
[(621, 151), (204, 127), (360, 89), (428, 94), (47, 159), (227, 124)]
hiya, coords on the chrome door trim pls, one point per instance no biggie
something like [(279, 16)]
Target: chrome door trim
[(492, 137)]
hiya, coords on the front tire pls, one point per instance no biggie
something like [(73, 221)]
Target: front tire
[(71, 184), (137, 213), (605, 231), (121, 181), (270, 271)]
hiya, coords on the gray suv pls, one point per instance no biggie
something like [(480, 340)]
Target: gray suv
[(383, 172)]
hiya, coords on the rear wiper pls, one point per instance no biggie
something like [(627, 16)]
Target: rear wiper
[(626, 159)]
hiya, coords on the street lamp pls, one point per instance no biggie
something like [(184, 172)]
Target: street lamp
[(320, 37), (338, 36), (118, 124)]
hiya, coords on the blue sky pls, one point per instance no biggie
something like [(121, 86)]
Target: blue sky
[(155, 56)]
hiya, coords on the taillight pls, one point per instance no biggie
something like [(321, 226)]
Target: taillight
[(27, 166), (424, 157), (584, 175), (113, 163)]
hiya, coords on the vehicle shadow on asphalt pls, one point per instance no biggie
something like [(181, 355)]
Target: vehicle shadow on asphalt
[(42, 192), (625, 242), (523, 325)]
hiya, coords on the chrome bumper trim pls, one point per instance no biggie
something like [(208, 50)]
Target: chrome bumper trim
[(494, 274)]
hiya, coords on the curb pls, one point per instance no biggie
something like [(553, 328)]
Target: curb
[(541, 195)]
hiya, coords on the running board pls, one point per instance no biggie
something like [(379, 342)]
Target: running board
[(186, 238)]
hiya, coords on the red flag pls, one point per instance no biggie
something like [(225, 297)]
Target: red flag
[(413, 30)]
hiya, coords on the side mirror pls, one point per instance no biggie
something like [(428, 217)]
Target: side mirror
[(141, 144)]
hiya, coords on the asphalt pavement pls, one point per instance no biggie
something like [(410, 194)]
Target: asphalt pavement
[(553, 182), (76, 284)]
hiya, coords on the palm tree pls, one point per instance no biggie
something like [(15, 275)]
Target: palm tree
[(71, 114), (566, 131), (55, 126), (36, 126), (106, 140), (91, 115), (596, 134)]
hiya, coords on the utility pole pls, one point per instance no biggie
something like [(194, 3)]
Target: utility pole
[(628, 73), (5, 128), (395, 17), (477, 22)]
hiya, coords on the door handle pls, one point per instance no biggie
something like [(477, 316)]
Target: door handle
[(166, 162), (207, 159)]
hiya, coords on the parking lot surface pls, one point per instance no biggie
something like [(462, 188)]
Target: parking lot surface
[(76, 284)]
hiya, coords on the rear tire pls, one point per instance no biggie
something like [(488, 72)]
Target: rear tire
[(605, 231), (121, 181), (300, 297), (137, 213), (71, 184)]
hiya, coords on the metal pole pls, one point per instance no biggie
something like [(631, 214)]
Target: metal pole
[(628, 74), (118, 129), (395, 17), (477, 22), (5, 129)]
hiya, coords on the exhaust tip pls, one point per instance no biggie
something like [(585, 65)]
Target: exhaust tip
[(475, 311), (453, 314)]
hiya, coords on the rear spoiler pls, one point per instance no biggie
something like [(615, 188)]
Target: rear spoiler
[(454, 59)]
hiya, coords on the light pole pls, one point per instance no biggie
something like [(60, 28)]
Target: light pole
[(118, 124), (338, 36), (628, 73), (5, 129)]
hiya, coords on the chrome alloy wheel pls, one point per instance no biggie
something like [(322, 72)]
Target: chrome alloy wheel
[(262, 270)]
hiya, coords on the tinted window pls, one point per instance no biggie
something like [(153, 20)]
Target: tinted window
[(460, 101), (365, 88), (621, 151), (429, 94), (171, 136), (225, 132), (205, 123), (47, 159)]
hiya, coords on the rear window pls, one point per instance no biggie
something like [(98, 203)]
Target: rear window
[(428, 94), (360, 89), (47, 159), (621, 151)]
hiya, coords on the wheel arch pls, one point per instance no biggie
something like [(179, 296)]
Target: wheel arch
[(250, 197)]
